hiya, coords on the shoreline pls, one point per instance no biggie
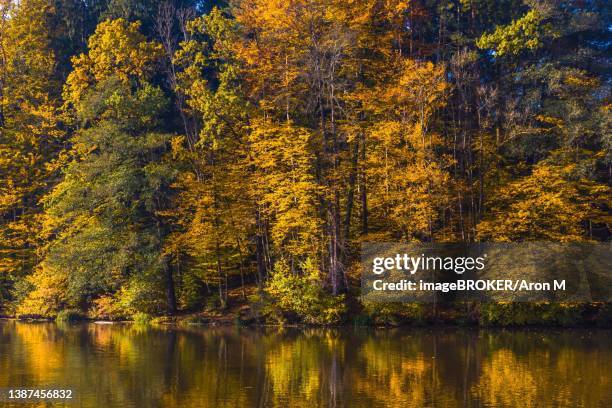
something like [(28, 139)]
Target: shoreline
[(189, 321)]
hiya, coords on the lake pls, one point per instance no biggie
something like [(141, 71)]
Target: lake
[(125, 365)]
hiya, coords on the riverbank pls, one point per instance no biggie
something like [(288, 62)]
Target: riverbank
[(245, 308), (243, 313)]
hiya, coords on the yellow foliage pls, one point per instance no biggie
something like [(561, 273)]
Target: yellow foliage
[(30, 128), (548, 204), (49, 294), (409, 182), (287, 190), (117, 48)]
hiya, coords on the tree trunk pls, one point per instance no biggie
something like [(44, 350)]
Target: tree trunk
[(259, 248), (170, 292), (362, 188), (351, 194)]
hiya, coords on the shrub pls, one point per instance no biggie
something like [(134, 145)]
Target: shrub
[(394, 313), (524, 313), (301, 295), (42, 294), (141, 318), (108, 307), (142, 294), (66, 316)]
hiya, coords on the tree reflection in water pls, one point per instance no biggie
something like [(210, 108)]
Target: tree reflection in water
[(130, 366)]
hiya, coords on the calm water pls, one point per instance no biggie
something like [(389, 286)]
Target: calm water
[(124, 366)]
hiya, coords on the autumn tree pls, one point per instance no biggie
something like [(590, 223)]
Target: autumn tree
[(106, 234), (407, 169), (292, 55), (31, 132), (214, 209), (185, 150), (555, 128), (555, 202)]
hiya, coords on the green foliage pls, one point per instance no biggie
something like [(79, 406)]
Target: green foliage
[(212, 303), (526, 33), (301, 295), (191, 291), (141, 318), (261, 143), (527, 313), (143, 292), (67, 316), (395, 313), (102, 217)]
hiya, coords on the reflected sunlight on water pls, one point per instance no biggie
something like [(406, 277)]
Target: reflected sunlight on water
[(127, 366)]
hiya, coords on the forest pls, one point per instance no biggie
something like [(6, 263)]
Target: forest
[(160, 158)]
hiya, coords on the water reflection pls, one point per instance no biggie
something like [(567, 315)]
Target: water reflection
[(127, 366)]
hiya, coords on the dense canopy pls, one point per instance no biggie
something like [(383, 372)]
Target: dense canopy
[(156, 156)]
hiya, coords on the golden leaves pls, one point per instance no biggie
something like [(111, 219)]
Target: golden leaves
[(117, 48)]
